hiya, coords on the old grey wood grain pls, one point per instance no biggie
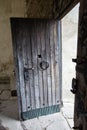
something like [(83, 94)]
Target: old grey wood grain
[(56, 62), (48, 57), (21, 70), (37, 77), (52, 60), (39, 51), (37, 42), (45, 85), (26, 65), (34, 60), (14, 43), (31, 70)]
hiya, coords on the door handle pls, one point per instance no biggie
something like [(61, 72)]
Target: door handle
[(44, 65), (74, 86)]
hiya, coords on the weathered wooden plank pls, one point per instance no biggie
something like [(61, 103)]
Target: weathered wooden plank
[(81, 69), (24, 56), (52, 60), (34, 61), (48, 55), (35, 56), (59, 32), (14, 43), (44, 71), (30, 98), (30, 65), (21, 70), (32, 90), (39, 50), (56, 63)]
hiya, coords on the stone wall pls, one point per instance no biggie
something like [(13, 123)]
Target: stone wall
[(8, 8)]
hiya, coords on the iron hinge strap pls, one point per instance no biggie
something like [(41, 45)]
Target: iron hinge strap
[(74, 86)]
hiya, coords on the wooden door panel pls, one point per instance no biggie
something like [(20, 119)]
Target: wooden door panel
[(37, 57), (80, 114)]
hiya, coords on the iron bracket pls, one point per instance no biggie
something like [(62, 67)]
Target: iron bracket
[(74, 86), (80, 60), (78, 128)]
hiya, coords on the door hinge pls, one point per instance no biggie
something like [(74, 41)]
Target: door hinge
[(80, 60), (78, 128), (74, 86)]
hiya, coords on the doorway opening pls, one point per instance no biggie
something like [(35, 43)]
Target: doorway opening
[(8, 96), (69, 52)]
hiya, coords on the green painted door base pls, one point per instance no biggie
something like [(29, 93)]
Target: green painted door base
[(40, 112)]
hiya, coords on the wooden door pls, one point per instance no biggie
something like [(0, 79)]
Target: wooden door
[(80, 114), (36, 45)]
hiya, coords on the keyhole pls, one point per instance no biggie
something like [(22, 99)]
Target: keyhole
[(39, 56)]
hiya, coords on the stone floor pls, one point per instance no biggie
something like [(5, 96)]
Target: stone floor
[(58, 121)]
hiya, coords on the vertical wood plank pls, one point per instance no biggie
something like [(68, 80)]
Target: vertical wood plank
[(34, 60), (30, 65), (39, 52), (25, 65), (43, 42), (48, 55), (30, 91), (52, 60), (59, 29), (21, 70), (14, 43), (56, 62)]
